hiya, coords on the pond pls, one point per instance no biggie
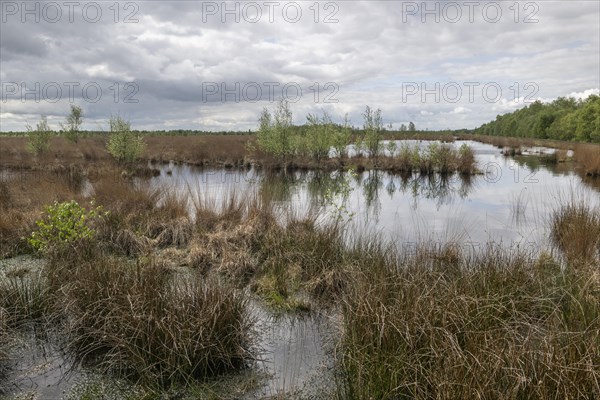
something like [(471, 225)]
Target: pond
[(508, 204)]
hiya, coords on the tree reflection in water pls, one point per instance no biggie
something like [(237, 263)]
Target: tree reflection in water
[(281, 186)]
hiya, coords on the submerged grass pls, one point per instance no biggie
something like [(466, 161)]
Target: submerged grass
[(24, 297)]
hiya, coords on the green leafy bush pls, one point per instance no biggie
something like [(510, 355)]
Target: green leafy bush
[(373, 126), (124, 144), (73, 122), (64, 224), (275, 130), (38, 139)]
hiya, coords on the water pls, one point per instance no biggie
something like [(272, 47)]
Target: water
[(509, 203), (39, 368), (296, 352)]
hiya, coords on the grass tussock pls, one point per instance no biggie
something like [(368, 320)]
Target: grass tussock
[(435, 158), (575, 229), (302, 256), (14, 226), (588, 155), (24, 297), (4, 346), (285, 260), (142, 217), (145, 323), (493, 326)]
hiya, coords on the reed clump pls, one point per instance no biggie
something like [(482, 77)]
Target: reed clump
[(495, 325), (24, 297), (435, 158), (4, 346), (588, 155), (141, 321), (575, 229), (303, 256)]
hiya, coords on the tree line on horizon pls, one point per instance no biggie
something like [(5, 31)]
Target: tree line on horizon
[(565, 118)]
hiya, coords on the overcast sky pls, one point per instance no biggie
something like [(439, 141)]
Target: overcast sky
[(214, 66)]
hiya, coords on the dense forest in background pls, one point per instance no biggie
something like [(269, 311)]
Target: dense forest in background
[(562, 119)]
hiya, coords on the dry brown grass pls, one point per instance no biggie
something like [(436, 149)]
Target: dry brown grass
[(198, 150), (14, 226), (575, 229), (500, 325), (13, 151), (516, 142), (22, 199), (443, 137), (142, 322), (588, 155), (228, 151)]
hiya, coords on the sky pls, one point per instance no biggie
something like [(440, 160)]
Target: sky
[(214, 66)]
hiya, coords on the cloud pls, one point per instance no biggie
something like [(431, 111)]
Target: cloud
[(585, 94), (178, 52), (460, 110)]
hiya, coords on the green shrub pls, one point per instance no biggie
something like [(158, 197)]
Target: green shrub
[(64, 224), (320, 135), (123, 144), (373, 126), (72, 124), (275, 131), (38, 139)]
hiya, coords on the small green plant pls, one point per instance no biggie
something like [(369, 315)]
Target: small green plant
[(341, 138), (373, 126), (337, 197), (275, 130), (38, 139), (124, 144), (73, 122), (64, 224), (320, 135), (391, 147)]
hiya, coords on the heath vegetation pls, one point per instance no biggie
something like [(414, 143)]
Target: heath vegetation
[(153, 285)]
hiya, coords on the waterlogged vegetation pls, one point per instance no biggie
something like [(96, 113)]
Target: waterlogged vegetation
[(320, 139), (436, 269)]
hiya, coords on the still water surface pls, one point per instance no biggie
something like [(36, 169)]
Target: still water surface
[(509, 203)]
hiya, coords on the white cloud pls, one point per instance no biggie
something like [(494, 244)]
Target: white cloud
[(585, 94), (460, 110)]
